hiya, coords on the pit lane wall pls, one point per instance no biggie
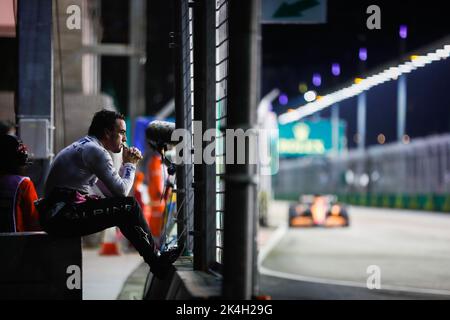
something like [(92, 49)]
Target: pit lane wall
[(183, 283)]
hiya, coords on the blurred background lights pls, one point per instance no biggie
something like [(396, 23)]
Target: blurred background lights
[(310, 96), (349, 177), (364, 180), (317, 79), (375, 176), (283, 99), (302, 87), (403, 32), (363, 84), (336, 69), (406, 139), (363, 54), (356, 138)]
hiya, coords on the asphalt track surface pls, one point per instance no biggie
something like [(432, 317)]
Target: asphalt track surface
[(411, 251)]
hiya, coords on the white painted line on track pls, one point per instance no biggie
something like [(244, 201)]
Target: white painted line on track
[(273, 241), (276, 238)]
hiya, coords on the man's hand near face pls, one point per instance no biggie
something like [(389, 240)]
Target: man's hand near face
[(131, 155)]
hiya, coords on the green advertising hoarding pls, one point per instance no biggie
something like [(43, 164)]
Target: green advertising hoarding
[(309, 138)]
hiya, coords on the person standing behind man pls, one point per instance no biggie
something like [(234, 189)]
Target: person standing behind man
[(17, 192), (69, 209)]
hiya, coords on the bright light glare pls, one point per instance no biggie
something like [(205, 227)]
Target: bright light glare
[(310, 96), (389, 74)]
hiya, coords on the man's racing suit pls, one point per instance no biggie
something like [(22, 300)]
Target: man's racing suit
[(70, 210)]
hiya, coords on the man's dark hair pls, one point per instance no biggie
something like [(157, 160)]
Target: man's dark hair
[(103, 119)]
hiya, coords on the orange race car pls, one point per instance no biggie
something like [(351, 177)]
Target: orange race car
[(318, 210)]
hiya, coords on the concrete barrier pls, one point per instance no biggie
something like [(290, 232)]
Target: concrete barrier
[(183, 283), (34, 265)]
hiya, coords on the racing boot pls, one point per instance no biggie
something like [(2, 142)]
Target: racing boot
[(170, 255), (163, 264), (160, 262)]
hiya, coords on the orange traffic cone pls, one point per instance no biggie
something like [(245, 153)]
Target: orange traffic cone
[(110, 246)]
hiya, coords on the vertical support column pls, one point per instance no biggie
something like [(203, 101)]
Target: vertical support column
[(136, 83), (258, 57), (34, 109), (91, 63), (204, 111), (183, 119), (362, 104), (401, 106), (335, 128), (35, 58), (240, 179), (179, 115)]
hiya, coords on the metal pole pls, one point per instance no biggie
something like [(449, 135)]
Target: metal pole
[(136, 82), (240, 180), (401, 106), (204, 97), (183, 119), (362, 104), (335, 128)]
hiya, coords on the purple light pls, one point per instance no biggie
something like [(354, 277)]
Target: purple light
[(363, 54), (335, 69), (403, 31), (317, 79), (283, 99)]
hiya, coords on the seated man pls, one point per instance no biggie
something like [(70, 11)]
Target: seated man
[(69, 209), (17, 192)]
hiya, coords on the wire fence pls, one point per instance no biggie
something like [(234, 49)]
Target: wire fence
[(221, 118)]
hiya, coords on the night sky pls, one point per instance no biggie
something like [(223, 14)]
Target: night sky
[(292, 53)]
